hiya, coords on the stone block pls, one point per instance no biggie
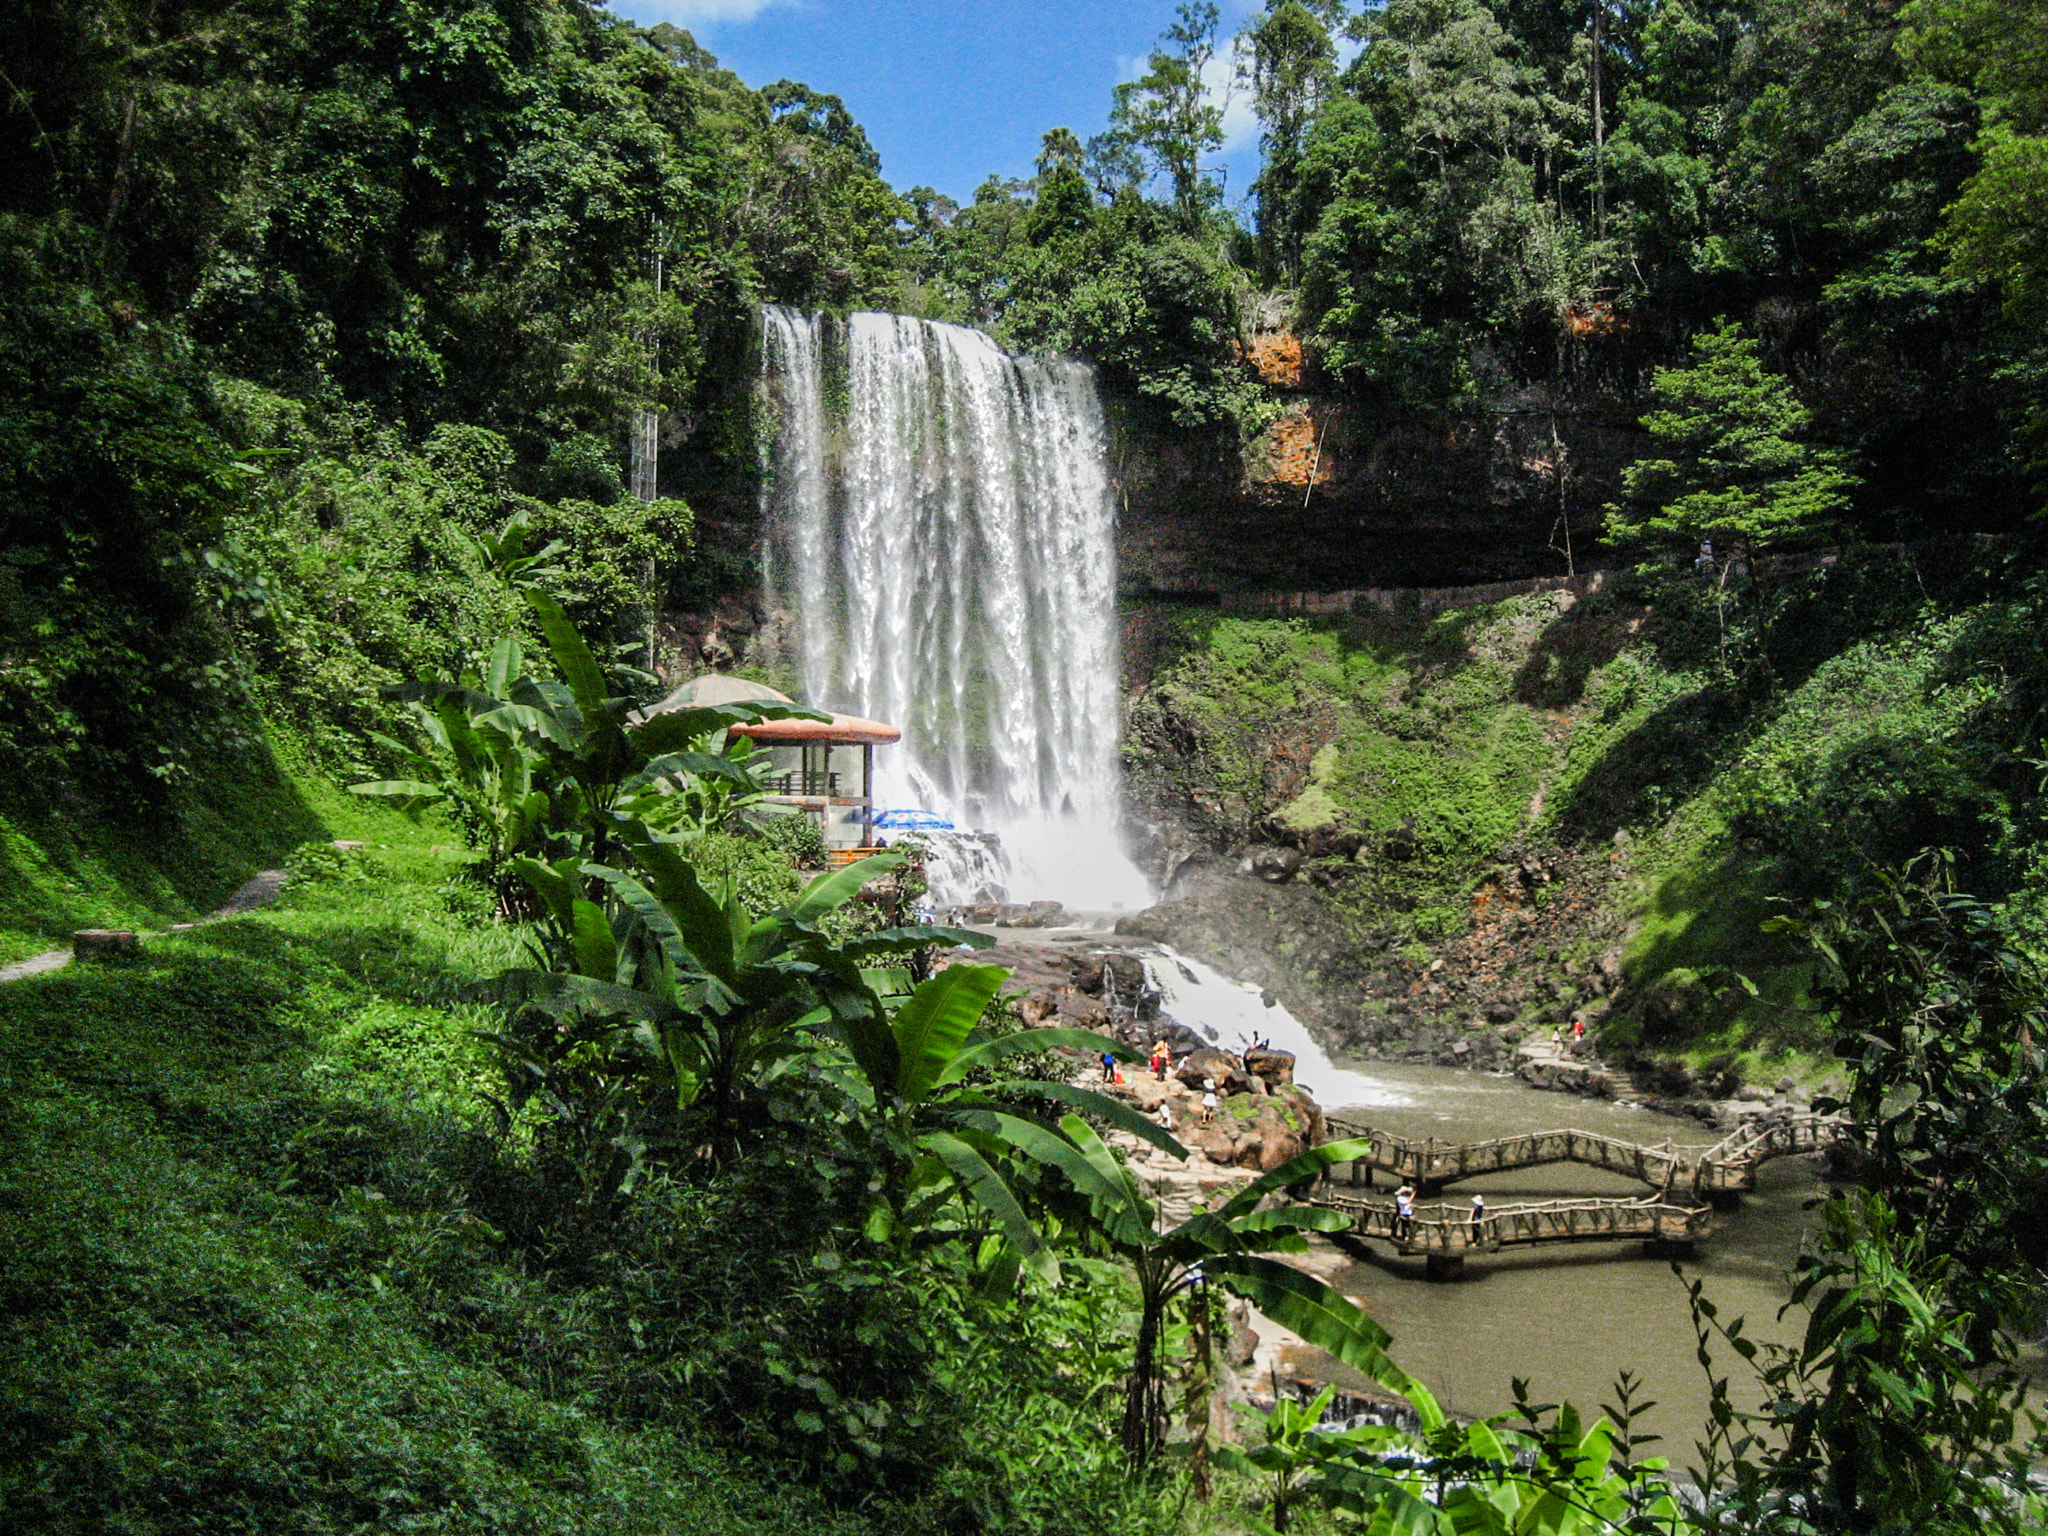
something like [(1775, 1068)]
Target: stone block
[(104, 943)]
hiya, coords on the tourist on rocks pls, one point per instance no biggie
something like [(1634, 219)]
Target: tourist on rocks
[(1165, 1115), (1208, 1100), (1161, 1059), (1404, 1211), (1478, 1216), (1108, 1067)]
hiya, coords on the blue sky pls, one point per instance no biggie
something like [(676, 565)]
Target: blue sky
[(952, 90)]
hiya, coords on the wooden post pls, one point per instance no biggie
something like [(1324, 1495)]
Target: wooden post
[(867, 793)]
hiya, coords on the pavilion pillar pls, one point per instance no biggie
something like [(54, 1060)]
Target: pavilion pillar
[(867, 794)]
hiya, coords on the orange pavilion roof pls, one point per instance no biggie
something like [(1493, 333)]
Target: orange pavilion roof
[(840, 730)]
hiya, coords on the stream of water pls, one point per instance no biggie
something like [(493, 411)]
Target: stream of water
[(1566, 1319)]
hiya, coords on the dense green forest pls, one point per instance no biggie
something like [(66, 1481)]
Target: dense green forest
[(294, 290), (517, 1172)]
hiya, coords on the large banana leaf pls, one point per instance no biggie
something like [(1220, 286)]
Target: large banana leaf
[(1045, 1146), (554, 885), (513, 719), (504, 665), (578, 667), (857, 1019), (1126, 1220), (696, 948), (581, 996), (677, 729), (1292, 1218), (590, 936), (702, 924), (699, 765), (978, 1178), (1325, 1318), (1101, 1106), (410, 795), (939, 1017), (838, 886)]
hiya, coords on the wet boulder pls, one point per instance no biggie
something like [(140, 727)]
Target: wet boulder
[(1125, 973), (1210, 1064), (1275, 865), (1274, 1068), (1263, 1132)]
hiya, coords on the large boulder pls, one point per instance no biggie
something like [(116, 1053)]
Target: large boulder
[(1213, 1141), (1210, 1064), (1276, 865), (1274, 1068)]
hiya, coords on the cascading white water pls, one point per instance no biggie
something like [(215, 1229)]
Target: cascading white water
[(1238, 1014), (942, 526)]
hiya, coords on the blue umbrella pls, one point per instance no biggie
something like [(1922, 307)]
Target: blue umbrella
[(913, 821)]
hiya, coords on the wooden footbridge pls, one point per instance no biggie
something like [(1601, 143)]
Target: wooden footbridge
[(1716, 1173), (1444, 1235)]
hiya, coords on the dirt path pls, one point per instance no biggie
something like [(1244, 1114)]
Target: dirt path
[(259, 890)]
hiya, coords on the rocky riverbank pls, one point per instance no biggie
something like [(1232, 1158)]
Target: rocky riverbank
[(1262, 1118)]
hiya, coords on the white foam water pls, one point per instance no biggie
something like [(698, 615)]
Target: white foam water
[(941, 525), (1203, 998)]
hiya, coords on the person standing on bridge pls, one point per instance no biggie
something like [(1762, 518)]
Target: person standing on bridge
[(1404, 1211), (1478, 1217)]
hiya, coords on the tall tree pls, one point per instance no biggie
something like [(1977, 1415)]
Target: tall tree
[(1994, 229), (1286, 57), (1734, 461), (1169, 114), (1064, 205)]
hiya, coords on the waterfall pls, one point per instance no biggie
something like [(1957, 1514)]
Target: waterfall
[(941, 529)]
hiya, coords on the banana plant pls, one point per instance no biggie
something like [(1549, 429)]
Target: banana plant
[(947, 1133), (717, 997), (1228, 1247), (545, 762), (1484, 1479), (1293, 1445)]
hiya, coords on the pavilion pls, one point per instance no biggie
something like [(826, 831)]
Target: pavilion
[(824, 769)]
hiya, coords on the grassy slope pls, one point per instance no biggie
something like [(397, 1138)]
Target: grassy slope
[(1453, 741), (211, 1321), (67, 864)]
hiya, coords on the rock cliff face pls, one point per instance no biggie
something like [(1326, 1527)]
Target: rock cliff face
[(1333, 496), (1525, 967)]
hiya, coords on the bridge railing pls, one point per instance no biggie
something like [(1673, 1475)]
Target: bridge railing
[(1445, 1228), (1727, 1165)]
